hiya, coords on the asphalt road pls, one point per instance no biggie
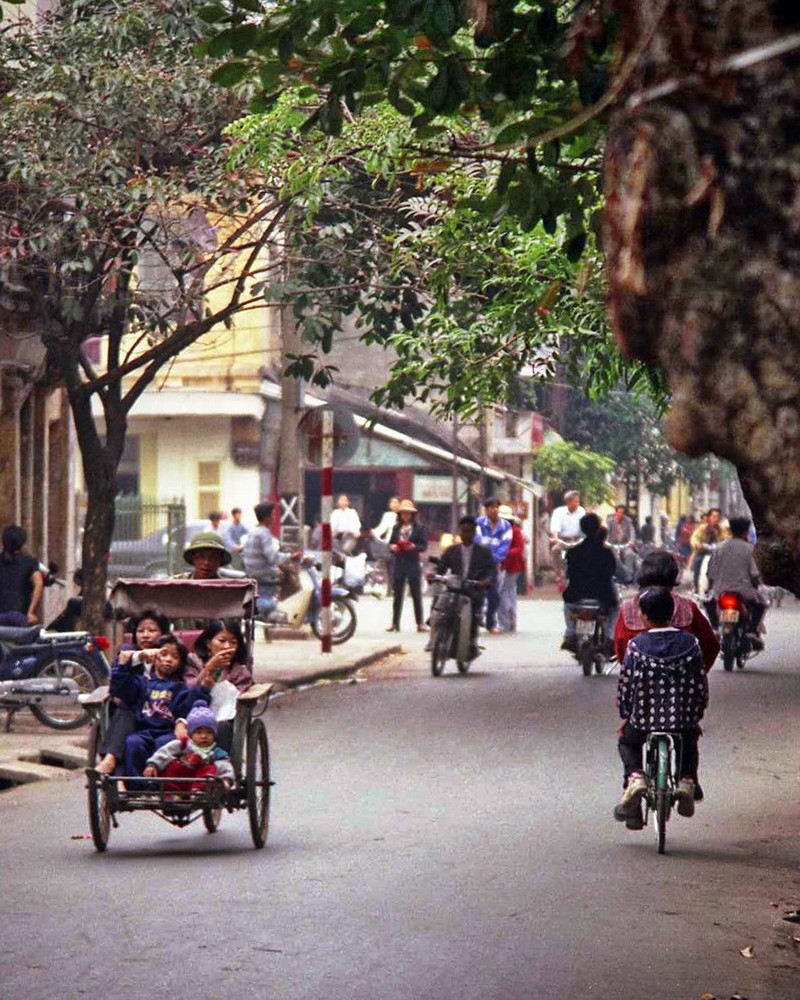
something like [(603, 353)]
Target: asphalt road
[(438, 839)]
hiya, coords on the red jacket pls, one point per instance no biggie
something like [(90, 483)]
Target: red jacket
[(514, 561), (687, 617)]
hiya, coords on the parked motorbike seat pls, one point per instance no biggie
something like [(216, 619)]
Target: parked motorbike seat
[(20, 636)]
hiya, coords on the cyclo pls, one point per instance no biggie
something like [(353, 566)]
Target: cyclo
[(111, 795)]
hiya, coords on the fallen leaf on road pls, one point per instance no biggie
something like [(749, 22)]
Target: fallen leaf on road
[(747, 952), (708, 996)]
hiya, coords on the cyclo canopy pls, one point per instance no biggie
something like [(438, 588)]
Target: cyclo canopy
[(185, 598)]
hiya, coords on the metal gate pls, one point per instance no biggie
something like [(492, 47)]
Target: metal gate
[(149, 537)]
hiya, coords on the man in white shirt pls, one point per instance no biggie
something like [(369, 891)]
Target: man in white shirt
[(345, 524), (565, 527)]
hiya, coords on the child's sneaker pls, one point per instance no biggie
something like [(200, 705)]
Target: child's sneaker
[(684, 793), (630, 814), (635, 788)]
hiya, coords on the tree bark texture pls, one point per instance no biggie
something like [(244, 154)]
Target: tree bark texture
[(702, 237)]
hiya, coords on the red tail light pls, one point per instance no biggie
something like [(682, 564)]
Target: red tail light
[(729, 602), (102, 643)]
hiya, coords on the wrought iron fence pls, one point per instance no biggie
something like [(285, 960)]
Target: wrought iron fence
[(149, 537)]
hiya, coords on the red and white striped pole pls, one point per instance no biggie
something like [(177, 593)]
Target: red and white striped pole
[(327, 539)]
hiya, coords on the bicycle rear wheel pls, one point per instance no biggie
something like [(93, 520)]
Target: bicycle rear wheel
[(663, 797)]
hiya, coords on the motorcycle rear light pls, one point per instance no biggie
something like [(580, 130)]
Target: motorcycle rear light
[(102, 643), (729, 602)]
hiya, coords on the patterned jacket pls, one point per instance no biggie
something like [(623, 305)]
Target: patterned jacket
[(662, 684)]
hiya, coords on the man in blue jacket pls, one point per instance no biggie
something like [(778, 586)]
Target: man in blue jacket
[(494, 533)]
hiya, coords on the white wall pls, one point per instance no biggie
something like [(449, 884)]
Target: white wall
[(185, 441)]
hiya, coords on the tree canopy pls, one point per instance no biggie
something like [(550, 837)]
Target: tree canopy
[(121, 221)]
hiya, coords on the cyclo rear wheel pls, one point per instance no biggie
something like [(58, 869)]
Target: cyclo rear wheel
[(257, 782), (663, 797)]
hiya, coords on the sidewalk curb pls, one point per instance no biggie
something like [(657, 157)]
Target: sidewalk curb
[(340, 670)]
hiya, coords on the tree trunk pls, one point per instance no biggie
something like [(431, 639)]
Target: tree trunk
[(100, 460), (702, 236)]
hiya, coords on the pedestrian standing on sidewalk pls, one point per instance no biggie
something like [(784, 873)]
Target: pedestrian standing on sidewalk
[(512, 566), (406, 542), (494, 533), (21, 580)]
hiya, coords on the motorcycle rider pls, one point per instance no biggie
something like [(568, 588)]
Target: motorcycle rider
[(706, 535), (591, 568), (622, 531), (565, 527), (471, 561), (733, 568)]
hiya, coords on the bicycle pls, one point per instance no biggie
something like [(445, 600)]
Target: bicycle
[(661, 775)]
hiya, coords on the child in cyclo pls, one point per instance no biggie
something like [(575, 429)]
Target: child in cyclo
[(662, 688), (194, 756), (148, 707)]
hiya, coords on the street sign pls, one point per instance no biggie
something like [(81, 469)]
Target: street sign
[(345, 434)]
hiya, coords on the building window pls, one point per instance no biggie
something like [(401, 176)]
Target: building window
[(209, 475)]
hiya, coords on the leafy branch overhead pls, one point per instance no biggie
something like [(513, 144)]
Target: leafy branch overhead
[(460, 246)]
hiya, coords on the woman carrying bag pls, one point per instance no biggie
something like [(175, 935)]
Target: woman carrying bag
[(406, 542)]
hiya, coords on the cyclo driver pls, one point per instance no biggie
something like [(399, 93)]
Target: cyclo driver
[(591, 567)]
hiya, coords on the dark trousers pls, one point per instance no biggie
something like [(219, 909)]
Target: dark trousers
[(492, 604), (399, 586), (686, 750), (131, 748)]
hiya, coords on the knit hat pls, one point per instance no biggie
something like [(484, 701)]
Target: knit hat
[(206, 540), (201, 715)]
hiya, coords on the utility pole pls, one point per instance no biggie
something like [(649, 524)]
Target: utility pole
[(454, 512), (290, 471)]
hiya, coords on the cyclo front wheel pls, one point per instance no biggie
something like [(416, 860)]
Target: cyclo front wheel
[(99, 813), (257, 782), (662, 794)]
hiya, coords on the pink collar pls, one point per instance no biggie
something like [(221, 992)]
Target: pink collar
[(681, 618)]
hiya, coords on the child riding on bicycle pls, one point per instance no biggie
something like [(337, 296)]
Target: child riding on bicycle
[(662, 688)]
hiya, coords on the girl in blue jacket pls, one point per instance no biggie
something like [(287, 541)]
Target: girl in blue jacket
[(149, 707)]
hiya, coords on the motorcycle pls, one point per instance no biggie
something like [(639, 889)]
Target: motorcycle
[(451, 623), (305, 603), (591, 635), (738, 645), (47, 671)]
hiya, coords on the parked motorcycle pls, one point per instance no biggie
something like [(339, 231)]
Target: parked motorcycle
[(591, 635), (734, 619), (305, 604), (46, 671)]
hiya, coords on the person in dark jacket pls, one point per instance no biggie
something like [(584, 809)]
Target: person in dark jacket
[(406, 542), (149, 707), (591, 567), (662, 688), (21, 580), (471, 561)]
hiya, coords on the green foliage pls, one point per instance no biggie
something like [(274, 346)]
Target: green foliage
[(563, 465), (438, 67), (416, 246), (111, 153)]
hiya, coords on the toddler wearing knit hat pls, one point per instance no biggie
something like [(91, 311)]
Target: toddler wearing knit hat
[(195, 756)]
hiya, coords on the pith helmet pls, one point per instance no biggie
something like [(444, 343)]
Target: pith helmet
[(206, 540)]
